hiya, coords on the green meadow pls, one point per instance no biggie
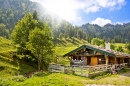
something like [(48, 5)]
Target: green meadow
[(13, 72)]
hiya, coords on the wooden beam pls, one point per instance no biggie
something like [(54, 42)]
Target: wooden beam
[(107, 59)]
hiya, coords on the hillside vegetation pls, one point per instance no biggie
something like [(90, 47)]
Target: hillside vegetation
[(38, 39), (13, 10), (9, 65), (58, 79), (65, 45), (15, 72), (110, 33)]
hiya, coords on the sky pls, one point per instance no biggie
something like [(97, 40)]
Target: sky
[(79, 12)]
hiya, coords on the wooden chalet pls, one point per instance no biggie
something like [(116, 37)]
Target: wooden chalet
[(94, 55)]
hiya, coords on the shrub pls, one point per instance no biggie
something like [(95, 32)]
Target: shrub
[(123, 70), (1, 68), (19, 78), (40, 74)]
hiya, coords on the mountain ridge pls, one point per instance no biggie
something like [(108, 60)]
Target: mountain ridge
[(109, 32), (13, 10)]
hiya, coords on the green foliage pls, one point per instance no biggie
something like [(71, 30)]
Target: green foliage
[(19, 78), (21, 32), (40, 44), (66, 30), (4, 31), (13, 10), (9, 64), (35, 15), (97, 41), (33, 38), (112, 46), (20, 35), (128, 46), (119, 48), (58, 79), (109, 33), (6, 45), (40, 74)]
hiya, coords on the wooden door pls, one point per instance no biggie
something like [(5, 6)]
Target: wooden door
[(94, 61)]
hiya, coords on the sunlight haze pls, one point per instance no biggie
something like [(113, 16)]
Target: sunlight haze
[(78, 12)]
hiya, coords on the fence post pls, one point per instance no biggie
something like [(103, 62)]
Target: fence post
[(64, 69), (81, 70)]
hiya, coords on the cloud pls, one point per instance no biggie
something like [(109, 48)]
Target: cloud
[(70, 9), (86, 5), (119, 23), (101, 22), (65, 9), (97, 5), (92, 9)]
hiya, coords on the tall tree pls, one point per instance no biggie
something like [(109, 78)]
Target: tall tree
[(22, 29), (40, 44), (35, 15), (3, 31)]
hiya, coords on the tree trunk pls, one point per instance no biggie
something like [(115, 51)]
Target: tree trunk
[(39, 63)]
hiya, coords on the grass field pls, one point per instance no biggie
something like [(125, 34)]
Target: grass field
[(12, 70), (67, 45), (64, 46), (58, 79), (8, 65)]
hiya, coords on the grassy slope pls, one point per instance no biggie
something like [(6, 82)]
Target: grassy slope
[(66, 45), (58, 79), (123, 46), (8, 65)]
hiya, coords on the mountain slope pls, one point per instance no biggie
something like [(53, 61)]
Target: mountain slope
[(9, 65), (112, 33), (13, 10)]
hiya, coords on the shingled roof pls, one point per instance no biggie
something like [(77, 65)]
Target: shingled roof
[(111, 53)]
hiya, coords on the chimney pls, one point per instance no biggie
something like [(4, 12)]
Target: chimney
[(107, 46)]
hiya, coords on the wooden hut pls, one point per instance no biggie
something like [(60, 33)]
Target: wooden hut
[(94, 55)]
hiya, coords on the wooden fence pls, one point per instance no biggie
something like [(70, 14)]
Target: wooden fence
[(86, 71)]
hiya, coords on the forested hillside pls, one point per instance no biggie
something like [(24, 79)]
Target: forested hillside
[(13, 10), (111, 33)]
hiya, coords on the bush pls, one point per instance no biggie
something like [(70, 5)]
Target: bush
[(123, 70), (8, 54), (1, 68), (19, 78), (6, 82), (40, 74)]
